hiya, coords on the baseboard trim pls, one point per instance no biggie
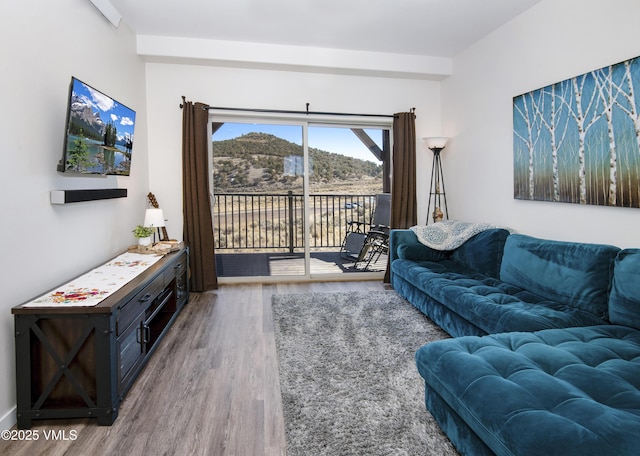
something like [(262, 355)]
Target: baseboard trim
[(9, 419)]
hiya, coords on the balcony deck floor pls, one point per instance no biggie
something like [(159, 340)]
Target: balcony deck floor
[(270, 264)]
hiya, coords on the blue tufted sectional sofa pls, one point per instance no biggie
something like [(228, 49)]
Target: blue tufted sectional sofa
[(546, 354)]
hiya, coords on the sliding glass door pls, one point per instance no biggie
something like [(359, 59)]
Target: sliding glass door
[(346, 172), (285, 195), (258, 210)]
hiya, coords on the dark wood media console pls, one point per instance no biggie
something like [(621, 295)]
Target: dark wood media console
[(78, 362)]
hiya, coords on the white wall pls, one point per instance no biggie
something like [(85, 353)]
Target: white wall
[(553, 41), (270, 89), (43, 45)]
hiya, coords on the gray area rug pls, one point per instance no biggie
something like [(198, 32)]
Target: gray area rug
[(348, 377)]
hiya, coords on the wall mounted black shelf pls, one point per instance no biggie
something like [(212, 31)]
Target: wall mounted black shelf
[(77, 196)]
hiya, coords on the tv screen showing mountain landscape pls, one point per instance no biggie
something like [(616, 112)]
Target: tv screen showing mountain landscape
[(99, 136)]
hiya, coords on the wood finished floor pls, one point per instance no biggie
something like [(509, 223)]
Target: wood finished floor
[(211, 388)]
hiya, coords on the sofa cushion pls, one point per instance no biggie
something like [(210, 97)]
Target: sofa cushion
[(624, 300), (490, 304), (572, 391), (420, 252), (483, 252), (576, 274)]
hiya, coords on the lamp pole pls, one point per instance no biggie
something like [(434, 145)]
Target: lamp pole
[(437, 191)]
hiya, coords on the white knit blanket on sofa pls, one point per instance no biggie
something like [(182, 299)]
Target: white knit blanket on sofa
[(450, 234)]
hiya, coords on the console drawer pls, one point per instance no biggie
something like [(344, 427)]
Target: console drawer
[(175, 270), (133, 308)]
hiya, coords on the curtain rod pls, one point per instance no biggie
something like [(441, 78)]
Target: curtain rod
[(307, 112)]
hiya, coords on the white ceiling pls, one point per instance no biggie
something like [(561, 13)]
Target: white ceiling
[(439, 28)]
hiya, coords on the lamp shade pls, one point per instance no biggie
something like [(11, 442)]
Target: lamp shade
[(154, 218), (436, 143)]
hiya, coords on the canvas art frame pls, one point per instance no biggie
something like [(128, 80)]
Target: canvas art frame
[(578, 140)]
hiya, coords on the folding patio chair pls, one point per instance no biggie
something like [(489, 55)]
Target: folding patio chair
[(368, 245)]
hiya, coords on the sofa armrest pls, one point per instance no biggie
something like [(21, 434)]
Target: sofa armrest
[(404, 244)]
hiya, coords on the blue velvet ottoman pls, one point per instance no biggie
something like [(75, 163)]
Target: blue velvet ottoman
[(571, 391)]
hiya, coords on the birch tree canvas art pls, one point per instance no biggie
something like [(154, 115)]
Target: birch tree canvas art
[(578, 141)]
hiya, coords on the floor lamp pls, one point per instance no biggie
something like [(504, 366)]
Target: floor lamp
[(437, 192)]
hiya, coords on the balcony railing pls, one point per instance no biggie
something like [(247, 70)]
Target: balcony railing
[(258, 221)]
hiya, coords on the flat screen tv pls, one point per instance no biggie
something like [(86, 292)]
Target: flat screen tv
[(99, 133)]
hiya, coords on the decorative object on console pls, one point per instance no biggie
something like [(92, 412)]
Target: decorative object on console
[(143, 234), (154, 203), (575, 141), (436, 188), (94, 286), (154, 218)]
